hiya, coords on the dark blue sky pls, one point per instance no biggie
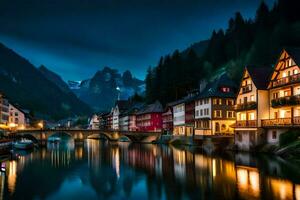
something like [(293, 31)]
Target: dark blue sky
[(75, 38)]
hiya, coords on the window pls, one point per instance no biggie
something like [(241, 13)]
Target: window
[(218, 113), (197, 112), (251, 116), (225, 89), (217, 101), (201, 112), (252, 98), (206, 111), (217, 127), (230, 114), (295, 71), (274, 135), (229, 102)]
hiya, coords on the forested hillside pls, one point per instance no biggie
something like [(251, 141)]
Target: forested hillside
[(245, 41)]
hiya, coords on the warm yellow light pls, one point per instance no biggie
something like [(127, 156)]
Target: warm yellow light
[(12, 125), (41, 124), (21, 127)]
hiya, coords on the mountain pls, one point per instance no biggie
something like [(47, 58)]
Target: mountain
[(27, 86), (55, 78), (104, 88)]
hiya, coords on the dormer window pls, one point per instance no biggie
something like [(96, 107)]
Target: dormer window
[(225, 89)]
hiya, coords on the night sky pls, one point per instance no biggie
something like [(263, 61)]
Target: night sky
[(75, 38)]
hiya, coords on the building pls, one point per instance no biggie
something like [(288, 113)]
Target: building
[(128, 118), (4, 111), (104, 121), (17, 117), (214, 107), (149, 118), (94, 122), (120, 106), (284, 95), (252, 106), (183, 115), (167, 119)]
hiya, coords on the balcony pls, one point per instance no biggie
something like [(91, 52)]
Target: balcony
[(286, 101), (247, 88), (287, 80), (246, 106), (277, 122), (246, 124)]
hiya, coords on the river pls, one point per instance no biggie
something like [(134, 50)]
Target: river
[(98, 169)]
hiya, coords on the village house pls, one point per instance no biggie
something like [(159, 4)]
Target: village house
[(252, 106), (17, 117), (128, 118), (120, 106), (183, 115), (284, 95), (167, 119), (4, 111), (214, 107), (149, 118), (94, 122)]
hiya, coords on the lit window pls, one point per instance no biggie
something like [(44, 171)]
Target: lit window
[(251, 116), (296, 71), (252, 98), (283, 74)]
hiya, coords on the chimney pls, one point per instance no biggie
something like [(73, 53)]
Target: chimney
[(202, 85)]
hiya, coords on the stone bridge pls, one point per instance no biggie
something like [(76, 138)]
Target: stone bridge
[(80, 135)]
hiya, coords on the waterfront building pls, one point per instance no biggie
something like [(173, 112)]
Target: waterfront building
[(183, 115), (104, 122), (94, 122), (109, 120), (120, 106), (17, 117), (149, 118), (214, 107), (128, 118), (4, 111), (167, 119), (252, 106), (284, 95)]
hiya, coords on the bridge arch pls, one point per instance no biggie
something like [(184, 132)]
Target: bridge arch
[(60, 134), (28, 136)]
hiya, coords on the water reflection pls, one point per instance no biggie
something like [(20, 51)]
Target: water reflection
[(102, 170)]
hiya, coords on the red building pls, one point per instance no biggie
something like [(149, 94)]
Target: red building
[(167, 119), (149, 118)]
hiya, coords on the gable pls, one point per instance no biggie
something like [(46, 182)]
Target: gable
[(284, 67)]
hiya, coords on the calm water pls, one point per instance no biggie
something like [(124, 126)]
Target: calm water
[(100, 170)]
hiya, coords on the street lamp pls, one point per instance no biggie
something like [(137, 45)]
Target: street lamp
[(41, 124)]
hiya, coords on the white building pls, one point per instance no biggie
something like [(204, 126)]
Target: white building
[(94, 122), (17, 118), (120, 106), (179, 119)]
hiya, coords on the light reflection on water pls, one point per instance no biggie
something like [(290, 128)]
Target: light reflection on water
[(102, 170)]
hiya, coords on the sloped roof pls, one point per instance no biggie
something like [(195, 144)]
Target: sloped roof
[(260, 75), (186, 99), (294, 52), (133, 108), (156, 107), (213, 88)]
